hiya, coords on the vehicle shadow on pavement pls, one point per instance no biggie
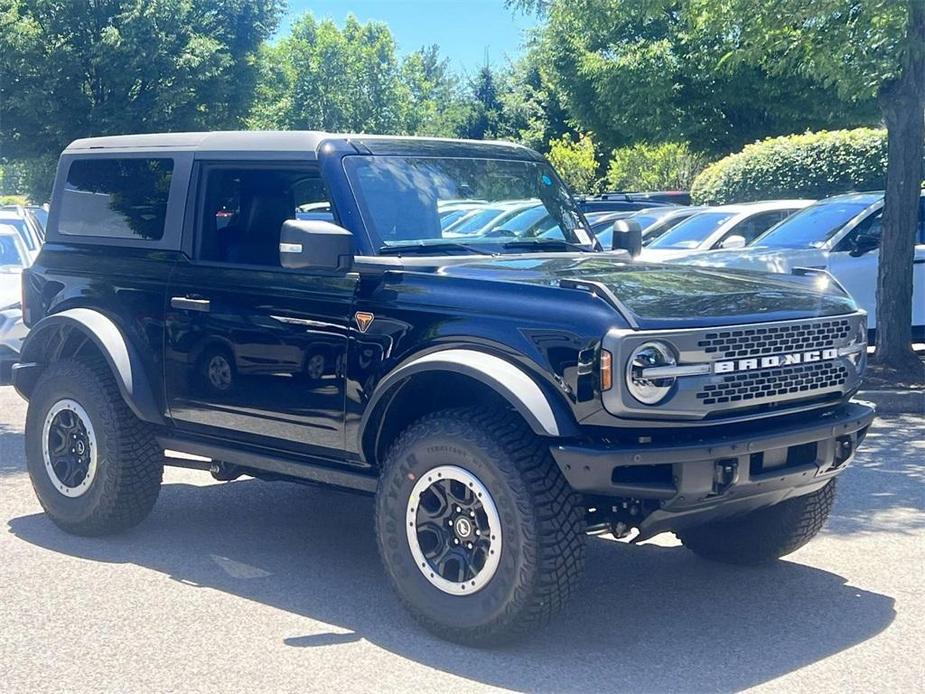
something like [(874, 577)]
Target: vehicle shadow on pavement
[(12, 460), (887, 482), (646, 618)]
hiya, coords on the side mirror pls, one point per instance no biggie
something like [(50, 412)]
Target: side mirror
[(627, 236), (315, 245), (733, 242), (864, 244)]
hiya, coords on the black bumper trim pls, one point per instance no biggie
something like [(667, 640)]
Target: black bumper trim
[(6, 368), (590, 469)]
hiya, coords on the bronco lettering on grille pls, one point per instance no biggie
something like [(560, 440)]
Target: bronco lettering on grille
[(725, 367)]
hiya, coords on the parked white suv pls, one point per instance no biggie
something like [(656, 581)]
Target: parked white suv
[(722, 227), (840, 234)]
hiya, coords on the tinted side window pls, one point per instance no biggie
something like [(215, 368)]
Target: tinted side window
[(921, 238), (870, 227), (116, 198), (754, 226), (244, 209)]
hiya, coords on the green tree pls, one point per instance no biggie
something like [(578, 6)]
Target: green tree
[(865, 49), (667, 166), (485, 118), (73, 69), (434, 104), (576, 162), (632, 70), (532, 107), (322, 77)]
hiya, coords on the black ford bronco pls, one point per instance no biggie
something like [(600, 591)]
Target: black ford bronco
[(431, 322)]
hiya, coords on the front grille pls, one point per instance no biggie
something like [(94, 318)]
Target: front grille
[(714, 395), (768, 383), (775, 339)]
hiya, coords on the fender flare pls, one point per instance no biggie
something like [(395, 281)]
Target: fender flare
[(543, 413), (123, 358)]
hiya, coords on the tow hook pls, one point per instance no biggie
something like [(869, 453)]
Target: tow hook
[(225, 472), (725, 474)]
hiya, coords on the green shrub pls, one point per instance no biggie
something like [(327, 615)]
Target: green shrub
[(28, 178), (666, 166), (575, 162), (813, 165)]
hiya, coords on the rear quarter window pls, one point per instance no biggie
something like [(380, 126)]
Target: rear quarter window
[(122, 198)]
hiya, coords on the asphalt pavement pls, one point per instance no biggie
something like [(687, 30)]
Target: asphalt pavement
[(249, 586)]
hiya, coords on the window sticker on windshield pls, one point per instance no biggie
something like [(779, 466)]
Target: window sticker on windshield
[(547, 181)]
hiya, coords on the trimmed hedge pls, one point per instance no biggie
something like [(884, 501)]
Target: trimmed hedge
[(665, 166), (813, 165)]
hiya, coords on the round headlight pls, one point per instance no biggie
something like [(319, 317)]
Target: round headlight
[(648, 390)]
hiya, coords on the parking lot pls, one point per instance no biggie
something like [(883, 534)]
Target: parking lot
[(276, 587)]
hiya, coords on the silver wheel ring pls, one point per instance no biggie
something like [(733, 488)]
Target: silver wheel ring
[(475, 584), (219, 371), (316, 366), (81, 414)]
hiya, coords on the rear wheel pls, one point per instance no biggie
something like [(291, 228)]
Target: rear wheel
[(480, 535), (95, 468), (764, 535)]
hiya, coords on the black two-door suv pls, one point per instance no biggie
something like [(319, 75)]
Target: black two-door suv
[(429, 321)]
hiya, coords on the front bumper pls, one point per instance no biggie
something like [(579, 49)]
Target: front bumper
[(7, 358), (693, 482)]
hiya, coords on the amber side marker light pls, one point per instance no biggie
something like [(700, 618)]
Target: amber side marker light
[(606, 370)]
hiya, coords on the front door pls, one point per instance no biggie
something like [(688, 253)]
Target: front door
[(858, 273), (256, 351)]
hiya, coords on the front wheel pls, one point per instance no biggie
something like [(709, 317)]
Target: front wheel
[(763, 535), (481, 537)]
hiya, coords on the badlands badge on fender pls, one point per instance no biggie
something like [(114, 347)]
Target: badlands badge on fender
[(364, 320)]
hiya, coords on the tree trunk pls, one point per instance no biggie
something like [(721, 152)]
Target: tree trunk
[(903, 105)]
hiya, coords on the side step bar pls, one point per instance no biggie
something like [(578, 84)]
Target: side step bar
[(312, 469)]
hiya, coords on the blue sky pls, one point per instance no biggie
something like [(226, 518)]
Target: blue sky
[(463, 29)]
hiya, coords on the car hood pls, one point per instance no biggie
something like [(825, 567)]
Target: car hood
[(661, 255), (756, 258), (658, 296), (10, 288)]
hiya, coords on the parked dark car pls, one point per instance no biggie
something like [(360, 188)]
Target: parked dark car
[(501, 394), (617, 202)]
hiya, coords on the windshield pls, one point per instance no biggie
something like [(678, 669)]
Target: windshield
[(11, 255), (646, 220), (813, 226), (692, 231), (19, 225), (404, 203)]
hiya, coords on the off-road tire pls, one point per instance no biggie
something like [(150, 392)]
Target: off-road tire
[(541, 518), (764, 535), (130, 464)]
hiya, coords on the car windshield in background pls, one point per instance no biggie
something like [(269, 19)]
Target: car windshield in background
[(692, 231), (11, 253), (813, 226), (433, 204), (648, 219)]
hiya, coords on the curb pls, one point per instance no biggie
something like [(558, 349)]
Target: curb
[(895, 401)]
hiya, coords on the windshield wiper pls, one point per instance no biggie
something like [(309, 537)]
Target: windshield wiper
[(557, 244), (430, 247)]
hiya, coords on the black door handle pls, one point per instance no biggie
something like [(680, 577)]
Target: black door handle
[(189, 304)]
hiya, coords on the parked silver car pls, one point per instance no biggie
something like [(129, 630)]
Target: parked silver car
[(14, 256)]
